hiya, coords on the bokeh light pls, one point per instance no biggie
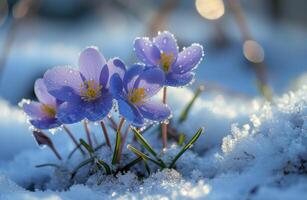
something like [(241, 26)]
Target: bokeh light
[(210, 9), (253, 51)]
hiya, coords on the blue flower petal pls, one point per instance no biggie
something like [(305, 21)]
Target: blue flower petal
[(34, 110), (167, 43), (152, 80), (188, 59), (131, 75), (91, 62), (117, 66), (47, 123), (176, 80), (69, 113), (100, 108), (130, 112), (42, 94), (155, 111), (64, 83), (104, 76), (146, 51), (116, 85)]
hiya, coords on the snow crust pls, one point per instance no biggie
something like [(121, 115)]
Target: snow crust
[(251, 150)]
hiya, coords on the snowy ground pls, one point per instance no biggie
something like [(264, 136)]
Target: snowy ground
[(250, 150)]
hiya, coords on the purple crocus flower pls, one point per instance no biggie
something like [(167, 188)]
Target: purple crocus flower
[(162, 51), (134, 92), (43, 113), (85, 91)]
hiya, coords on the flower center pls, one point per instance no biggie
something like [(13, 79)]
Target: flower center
[(49, 110), (166, 61), (90, 90), (137, 95)]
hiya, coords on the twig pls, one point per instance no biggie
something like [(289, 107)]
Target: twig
[(88, 133), (164, 125), (112, 123), (159, 19), (259, 68), (105, 133), (124, 138), (69, 133), (22, 9)]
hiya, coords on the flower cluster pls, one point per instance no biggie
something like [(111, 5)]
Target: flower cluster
[(68, 95)]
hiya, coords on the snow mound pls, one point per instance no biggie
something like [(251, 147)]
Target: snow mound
[(276, 133), (263, 157)]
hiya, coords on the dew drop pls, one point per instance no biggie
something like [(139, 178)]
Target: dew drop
[(53, 130)]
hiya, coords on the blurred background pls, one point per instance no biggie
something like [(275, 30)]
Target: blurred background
[(252, 47)]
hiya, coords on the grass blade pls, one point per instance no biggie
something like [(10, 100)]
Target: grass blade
[(146, 167), (186, 147), (186, 110), (116, 148), (181, 139), (131, 164), (144, 156), (82, 164), (73, 151), (87, 147), (47, 165), (143, 141), (104, 165)]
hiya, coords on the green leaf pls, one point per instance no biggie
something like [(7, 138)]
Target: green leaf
[(146, 167), (143, 141), (48, 165), (99, 146), (82, 164), (181, 139), (116, 148), (104, 165), (186, 147), (186, 110), (131, 164), (144, 156), (87, 147), (147, 146), (72, 153)]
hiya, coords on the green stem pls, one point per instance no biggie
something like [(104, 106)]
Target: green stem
[(144, 156), (186, 147), (116, 154), (186, 110)]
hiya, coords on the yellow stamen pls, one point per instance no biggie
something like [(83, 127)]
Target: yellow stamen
[(166, 61), (49, 110), (90, 90), (137, 96)]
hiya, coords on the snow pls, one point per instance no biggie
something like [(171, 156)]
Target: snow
[(251, 149)]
